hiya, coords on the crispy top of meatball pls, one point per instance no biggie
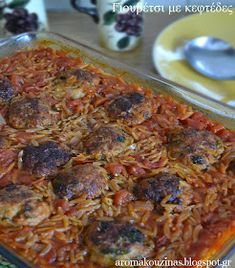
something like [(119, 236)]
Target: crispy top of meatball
[(21, 205), (83, 75), (198, 148), (134, 108), (158, 187), (112, 240), (44, 159), (231, 168), (30, 112), (7, 92), (107, 140), (86, 179), (80, 74)]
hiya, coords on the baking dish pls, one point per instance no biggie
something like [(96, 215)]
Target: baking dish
[(215, 110)]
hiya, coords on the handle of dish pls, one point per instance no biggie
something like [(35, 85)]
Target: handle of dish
[(87, 10)]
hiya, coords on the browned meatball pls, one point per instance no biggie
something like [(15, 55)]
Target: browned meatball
[(133, 108), (231, 168), (21, 205), (158, 187), (30, 112), (86, 179), (113, 240), (80, 74), (7, 92), (197, 148), (108, 140), (44, 159), (83, 75)]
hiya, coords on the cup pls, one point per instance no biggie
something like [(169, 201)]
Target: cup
[(120, 23), (16, 17)]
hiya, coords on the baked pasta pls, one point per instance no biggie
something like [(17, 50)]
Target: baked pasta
[(94, 169)]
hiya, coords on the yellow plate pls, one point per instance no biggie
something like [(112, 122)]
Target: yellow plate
[(169, 60)]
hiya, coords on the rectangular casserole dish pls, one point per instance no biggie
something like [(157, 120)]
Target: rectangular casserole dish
[(213, 109)]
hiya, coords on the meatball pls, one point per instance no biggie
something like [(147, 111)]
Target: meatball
[(197, 148), (107, 140), (83, 179), (133, 108), (7, 92), (82, 75), (21, 205), (231, 168), (44, 159), (158, 187), (30, 112), (112, 240)]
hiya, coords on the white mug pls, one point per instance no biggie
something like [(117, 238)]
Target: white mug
[(120, 23)]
